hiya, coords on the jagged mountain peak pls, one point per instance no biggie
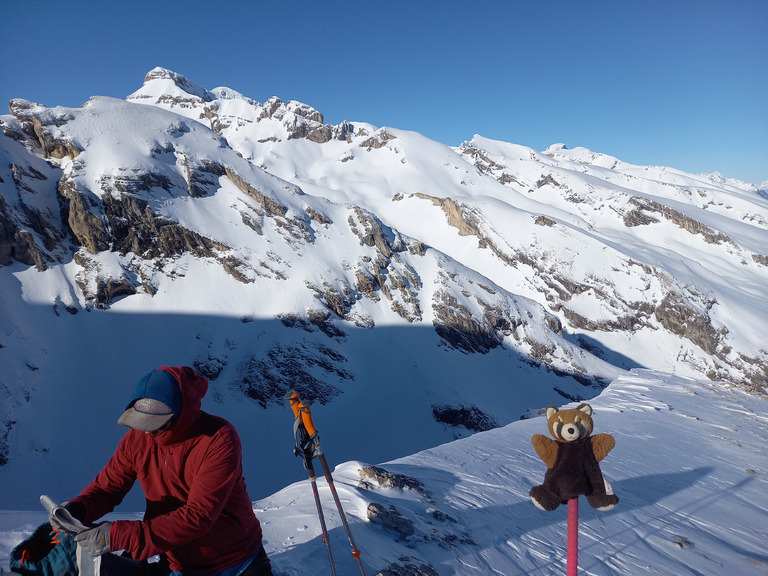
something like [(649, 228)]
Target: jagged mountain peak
[(227, 111), (161, 82)]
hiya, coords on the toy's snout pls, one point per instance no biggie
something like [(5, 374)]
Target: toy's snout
[(570, 432)]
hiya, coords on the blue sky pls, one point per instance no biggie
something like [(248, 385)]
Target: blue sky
[(680, 83)]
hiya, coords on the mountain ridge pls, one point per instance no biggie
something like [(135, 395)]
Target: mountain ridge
[(281, 252)]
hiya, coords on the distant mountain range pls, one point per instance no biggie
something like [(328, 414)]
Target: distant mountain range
[(417, 292)]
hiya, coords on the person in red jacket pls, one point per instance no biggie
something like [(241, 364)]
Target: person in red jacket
[(198, 513)]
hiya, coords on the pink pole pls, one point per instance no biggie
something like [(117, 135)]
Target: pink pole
[(573, 537)]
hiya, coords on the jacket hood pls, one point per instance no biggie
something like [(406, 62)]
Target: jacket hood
[(193, 387)]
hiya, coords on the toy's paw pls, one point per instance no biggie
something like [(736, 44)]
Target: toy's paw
[(539, 506), (542, 499), (604, 502)]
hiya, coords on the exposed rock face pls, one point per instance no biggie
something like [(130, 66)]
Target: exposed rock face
[(387, 273), (460, 219), (641, 217), (127, 224), (40, 124), (378, 140), (285, 368), (678, 316), (472, 330), (372, 477), (98, 288), (408, 566), (391, 519), (455, 324), (471, 417), (423, 524)]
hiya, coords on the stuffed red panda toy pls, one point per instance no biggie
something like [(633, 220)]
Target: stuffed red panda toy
[(572, 460)]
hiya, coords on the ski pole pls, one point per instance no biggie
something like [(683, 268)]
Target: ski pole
[(573, 537), (300, 450), (306, 419)]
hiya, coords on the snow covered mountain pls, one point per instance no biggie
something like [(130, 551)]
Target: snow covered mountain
[(416, 292)]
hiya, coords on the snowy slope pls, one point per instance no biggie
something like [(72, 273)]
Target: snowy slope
[(270, 288), (531, 218), (689, 468)]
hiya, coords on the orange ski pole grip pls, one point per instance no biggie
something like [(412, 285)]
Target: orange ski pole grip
[(299, 408), (306, 418), (295, 402)]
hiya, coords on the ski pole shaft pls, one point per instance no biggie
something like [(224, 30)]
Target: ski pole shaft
[(295, 402), (321, 516), (306, 419), (329, 478), (573, 537)]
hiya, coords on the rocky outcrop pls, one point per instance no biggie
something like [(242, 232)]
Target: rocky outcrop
[(544, 221), (124, 223), (100, 289), (391, 519), (314, 320), (480, 159), (456, 325), (271, 206), (548, 180), (414, 525), (459, 217), (677, 315), (378, 140), (202, 176), (387, 273), (267, 378), (408, 566), (6, 425), (25, 251), (88, 229), (470, 417), (760, 259), (641, 217), (467, 329), (41, 124), (373, 477), (296, 227), (19, 244)]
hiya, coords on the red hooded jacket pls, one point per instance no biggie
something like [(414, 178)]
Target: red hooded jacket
[(198, 510)]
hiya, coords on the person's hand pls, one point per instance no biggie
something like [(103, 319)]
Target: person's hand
[(67, 517), (95, 541), (54, 520)]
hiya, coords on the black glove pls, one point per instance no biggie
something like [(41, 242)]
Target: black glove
[(95, 540)]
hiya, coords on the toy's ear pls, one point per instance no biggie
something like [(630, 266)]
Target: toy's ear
[(586, 408), (551, 410)]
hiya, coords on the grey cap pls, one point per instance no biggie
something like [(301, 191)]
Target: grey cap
[(147, 415)]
